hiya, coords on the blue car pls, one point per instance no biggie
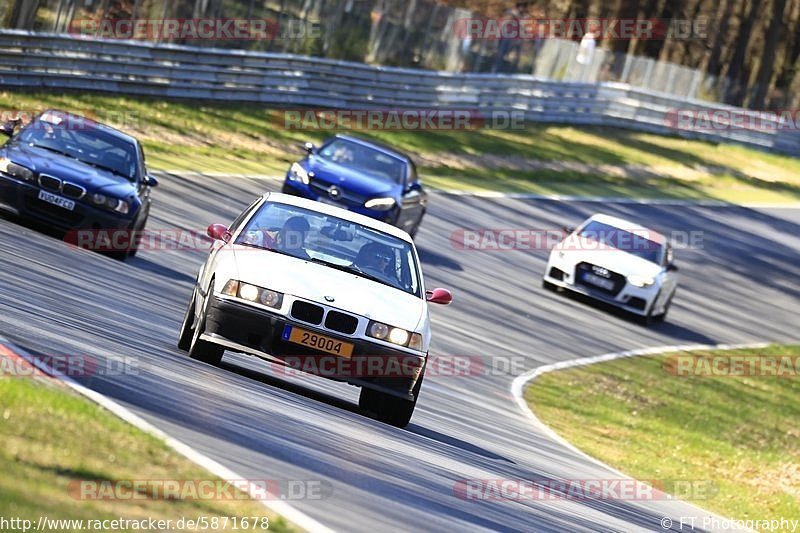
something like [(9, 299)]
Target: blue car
[(74, 174), (361, 176)]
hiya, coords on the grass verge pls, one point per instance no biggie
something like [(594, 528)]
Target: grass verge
[(52, 439), (539, 159), (739, 434)]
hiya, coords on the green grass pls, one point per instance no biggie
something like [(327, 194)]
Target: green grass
[(741, 433), (249, 138), (51, 437)]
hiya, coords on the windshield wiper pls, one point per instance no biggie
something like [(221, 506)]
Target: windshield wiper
[(352, 269)]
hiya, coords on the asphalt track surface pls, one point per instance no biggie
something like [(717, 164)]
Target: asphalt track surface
[(740, 286)]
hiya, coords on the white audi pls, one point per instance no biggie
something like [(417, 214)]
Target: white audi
[(618, 262), (321, 290)]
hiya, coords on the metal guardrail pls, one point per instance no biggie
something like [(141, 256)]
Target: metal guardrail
[(57, 61)]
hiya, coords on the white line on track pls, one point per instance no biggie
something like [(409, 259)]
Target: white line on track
[(279, 507), (519, 383)]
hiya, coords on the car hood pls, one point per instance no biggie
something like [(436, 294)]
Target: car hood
[(349, 178), (312, 281), (91, 178), (619, 261)]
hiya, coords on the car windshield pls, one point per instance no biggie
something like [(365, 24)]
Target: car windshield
[(333, 242), (76, 138), (364, 158), (633, 242)]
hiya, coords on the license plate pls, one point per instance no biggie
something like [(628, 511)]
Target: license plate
[(54, 199), (598, 281), (317, 341)]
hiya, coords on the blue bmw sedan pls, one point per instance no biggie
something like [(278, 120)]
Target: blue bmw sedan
[(361, 176), (72, 173)]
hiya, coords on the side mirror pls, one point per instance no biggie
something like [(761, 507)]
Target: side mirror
[(568, 229), (672, 267), (413, 186), (309, 148), (439, 296), (219, 232), (150, 181), (8, 127)]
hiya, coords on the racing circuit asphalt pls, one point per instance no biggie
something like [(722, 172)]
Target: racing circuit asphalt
[(740, 287)]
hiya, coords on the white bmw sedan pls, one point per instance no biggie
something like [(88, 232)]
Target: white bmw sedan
[(617, 262), (321, 290)]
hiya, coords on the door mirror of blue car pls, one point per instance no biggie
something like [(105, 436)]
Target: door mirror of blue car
[(309, 148), (413, 186), (150, 180)]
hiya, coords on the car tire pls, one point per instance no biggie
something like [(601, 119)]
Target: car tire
[(413, 231), (660, 318), (651, 319), (187, 332), (132, 248), (202, 350), (390, 409)]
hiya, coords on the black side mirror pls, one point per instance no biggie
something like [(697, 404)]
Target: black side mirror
[(309, 148), (568, 229), (672, 267), (150, 180), (8, 127)]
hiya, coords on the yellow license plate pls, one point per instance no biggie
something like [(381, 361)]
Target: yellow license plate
[(317, 341)]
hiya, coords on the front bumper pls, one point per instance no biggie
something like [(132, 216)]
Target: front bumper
[(22, 199), (245, 329), (636, 300), (304, 191)]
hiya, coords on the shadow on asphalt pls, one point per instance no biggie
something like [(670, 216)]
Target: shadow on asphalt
[(666, 328)]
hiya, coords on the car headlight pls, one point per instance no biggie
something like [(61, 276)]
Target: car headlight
[(380, 204), (641, 281), (111, 203), (18, 171), (298, 173), (253, 293), (399, 336)]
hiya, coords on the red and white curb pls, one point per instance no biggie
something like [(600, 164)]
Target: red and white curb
[(279, 507)]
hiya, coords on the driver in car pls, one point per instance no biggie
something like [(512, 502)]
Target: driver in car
[(292, 237), (376, 259)]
